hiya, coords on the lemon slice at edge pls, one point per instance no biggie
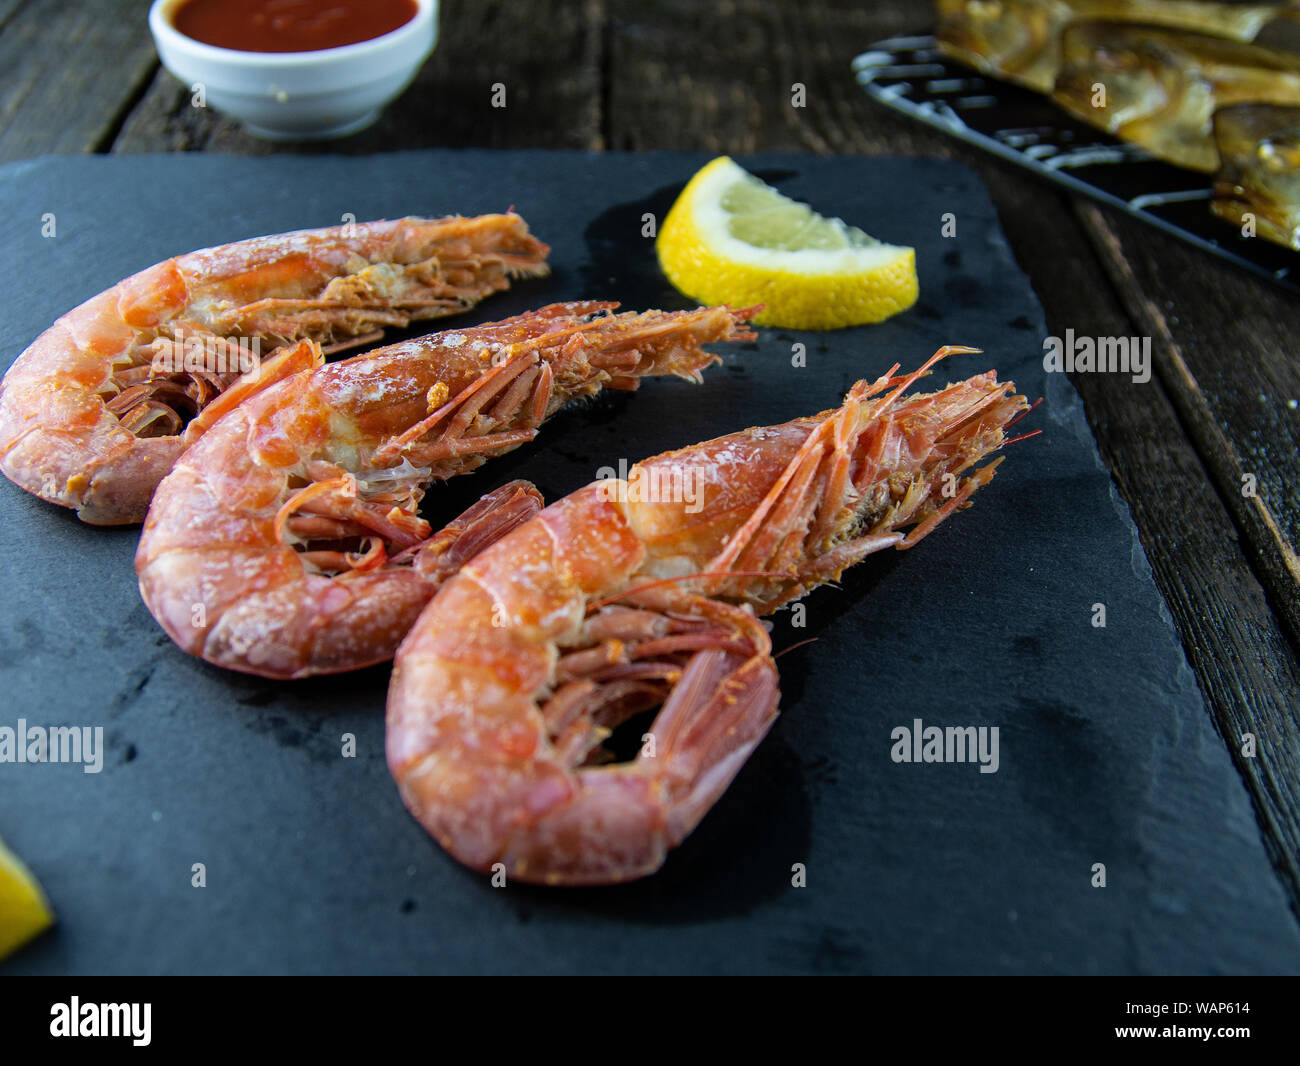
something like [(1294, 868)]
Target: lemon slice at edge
[(24, 911), (711, 247)]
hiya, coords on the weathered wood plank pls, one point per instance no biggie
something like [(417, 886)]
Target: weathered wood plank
[(725, 77), (1244, 663), (1228, 360), (546, 56), (70, 73)]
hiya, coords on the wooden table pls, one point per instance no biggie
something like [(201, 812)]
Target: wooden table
[(718, 77)]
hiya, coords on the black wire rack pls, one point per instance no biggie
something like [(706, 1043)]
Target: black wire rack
[(908, 74)]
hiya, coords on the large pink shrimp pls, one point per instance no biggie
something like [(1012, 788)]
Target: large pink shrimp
[(520, 667), (287, 542), (91, 418)]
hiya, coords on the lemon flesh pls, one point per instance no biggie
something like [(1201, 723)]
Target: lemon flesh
[(23, 910), (731, 239)]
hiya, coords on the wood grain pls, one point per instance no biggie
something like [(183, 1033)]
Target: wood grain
[(1243, 661), (1225, 347), (71, 72), (547, 56)]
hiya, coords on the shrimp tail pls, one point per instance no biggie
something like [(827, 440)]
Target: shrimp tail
[(491, 518), (709, 726), (327, 625), (720, 710)]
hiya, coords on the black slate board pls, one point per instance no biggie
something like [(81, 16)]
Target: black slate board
[(1107, 751), (910, 75)]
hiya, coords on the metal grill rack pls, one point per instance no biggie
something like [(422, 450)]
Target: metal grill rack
[(909, 75)]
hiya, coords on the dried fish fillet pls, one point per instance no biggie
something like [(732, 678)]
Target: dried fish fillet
[(1258, 183), (1020, 40), (1159, 88)]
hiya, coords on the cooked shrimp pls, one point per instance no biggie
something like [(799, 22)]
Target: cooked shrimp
[(94, 413), (287, 542), (609, 603)]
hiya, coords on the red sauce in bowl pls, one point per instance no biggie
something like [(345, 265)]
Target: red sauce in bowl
[(289, 25)]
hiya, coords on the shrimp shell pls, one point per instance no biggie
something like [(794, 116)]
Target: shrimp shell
[(287, 540), (86, 420), (608, 604)]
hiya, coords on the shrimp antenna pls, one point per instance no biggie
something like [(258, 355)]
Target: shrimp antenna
[(1023, 413), (792, 647), (908, 380)]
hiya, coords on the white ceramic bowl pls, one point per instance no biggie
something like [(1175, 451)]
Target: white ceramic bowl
[(286, 96)]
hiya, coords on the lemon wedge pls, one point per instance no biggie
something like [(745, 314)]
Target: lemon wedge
[(23, 910), (732, 239)]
